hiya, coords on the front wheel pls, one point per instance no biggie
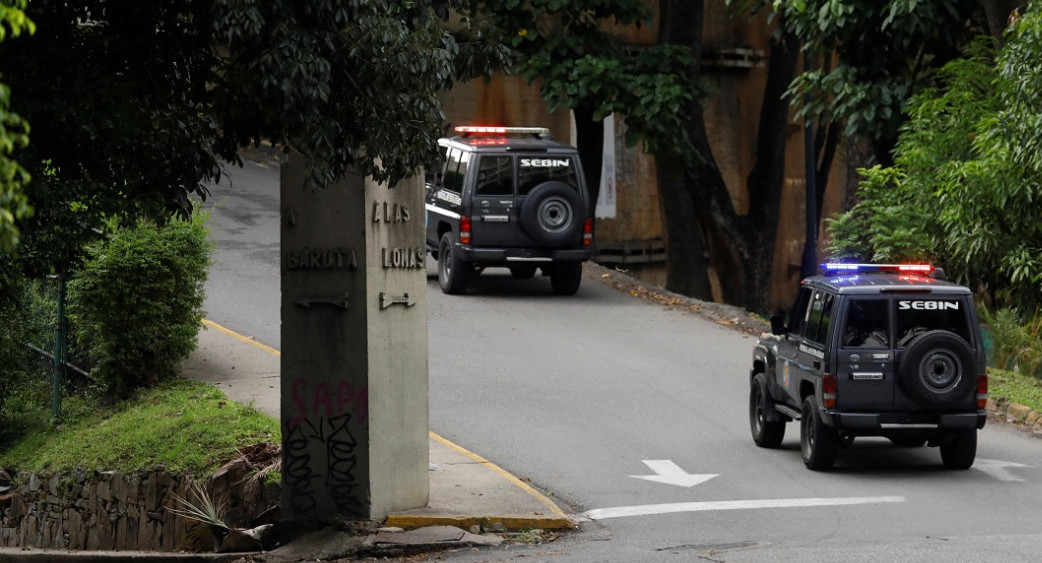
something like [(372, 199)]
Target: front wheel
[(959, 450), (453, 273), (766, 433), (817, 441)]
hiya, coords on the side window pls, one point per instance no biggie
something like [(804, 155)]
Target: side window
[(818, 317), (868, 324), (455, 170), (495, 176), (798, 319)]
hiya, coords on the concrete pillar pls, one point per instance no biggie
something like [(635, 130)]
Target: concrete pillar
[(354, 347)]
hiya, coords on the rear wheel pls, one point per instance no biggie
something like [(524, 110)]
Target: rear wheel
[(818, 442), (566, 277), (453, 273), (959, 451), (766, 433)]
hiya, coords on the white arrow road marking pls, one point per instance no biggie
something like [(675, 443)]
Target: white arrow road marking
[(998, 469), (671, 474), (650, 509)]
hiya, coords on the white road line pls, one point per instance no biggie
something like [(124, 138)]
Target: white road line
[(998, 469), (650, 509)]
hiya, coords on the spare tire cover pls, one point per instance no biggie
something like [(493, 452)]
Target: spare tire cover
[(937, 369), (553, 214)]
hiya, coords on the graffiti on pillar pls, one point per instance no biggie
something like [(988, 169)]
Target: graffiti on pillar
[(321, 453)]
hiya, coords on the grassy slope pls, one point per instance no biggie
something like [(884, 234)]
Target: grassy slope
[(1018, 388), (180, 425)]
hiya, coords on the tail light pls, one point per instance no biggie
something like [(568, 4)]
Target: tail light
[(828, 391), (464, 230), (982, 391), (588, 232)]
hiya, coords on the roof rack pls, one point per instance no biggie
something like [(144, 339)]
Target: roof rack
[(468, 130)]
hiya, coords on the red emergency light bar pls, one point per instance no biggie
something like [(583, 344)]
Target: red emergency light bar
[(833, 267), (499, 130)]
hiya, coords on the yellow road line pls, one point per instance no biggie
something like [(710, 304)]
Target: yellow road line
[(559, 519), (505, 474), (238, 336)]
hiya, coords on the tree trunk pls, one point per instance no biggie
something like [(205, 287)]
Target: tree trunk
[(740, 249), (998, 14), (680, 22)]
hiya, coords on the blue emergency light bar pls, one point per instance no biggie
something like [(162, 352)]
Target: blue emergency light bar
[(834, 267)]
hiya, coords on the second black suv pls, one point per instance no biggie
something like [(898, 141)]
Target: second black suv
[(508, 197), (873, 350)]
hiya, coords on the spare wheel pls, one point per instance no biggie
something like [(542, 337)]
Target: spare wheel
[(937, 370), (553, 214)]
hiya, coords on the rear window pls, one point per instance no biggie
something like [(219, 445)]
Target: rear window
[(916, 316), (533, 170), (868, 323)]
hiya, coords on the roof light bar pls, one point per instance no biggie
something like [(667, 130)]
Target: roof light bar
[(908, 268), (498, 130)]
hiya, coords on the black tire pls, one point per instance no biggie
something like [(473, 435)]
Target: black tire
[(453, 273), (937, 370), (818, 442), (959, 450), (553, 214), (566, 277), (766, 433), (523, 271)]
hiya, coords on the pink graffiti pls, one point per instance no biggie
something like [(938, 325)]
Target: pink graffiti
[(329, 400)]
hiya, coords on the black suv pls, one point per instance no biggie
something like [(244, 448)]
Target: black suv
[(508, 197), (873, 350)]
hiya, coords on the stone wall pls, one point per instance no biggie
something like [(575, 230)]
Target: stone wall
[(113, 511)]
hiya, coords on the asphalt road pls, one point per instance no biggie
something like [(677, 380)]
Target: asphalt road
[(584, 395)]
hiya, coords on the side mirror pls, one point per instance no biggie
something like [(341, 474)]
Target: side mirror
[(778, 325)]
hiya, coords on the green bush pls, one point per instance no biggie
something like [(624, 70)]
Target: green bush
[(137, 303), (12, 329), (1018, 340)]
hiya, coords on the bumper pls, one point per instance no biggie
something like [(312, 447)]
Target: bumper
[(869, 423), (507, 256)]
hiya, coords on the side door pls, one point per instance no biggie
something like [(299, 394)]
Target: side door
[(787, 373), (445, 200), (494, 214), (810, 349)]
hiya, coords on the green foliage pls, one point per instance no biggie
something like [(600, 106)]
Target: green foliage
[(962, 192), (14, 134), (137, 303), (346, 83), (151, 94), (181, 425), (1018, 340), (877, 55), (568, 45)]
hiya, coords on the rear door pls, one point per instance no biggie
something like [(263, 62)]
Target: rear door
[(494, 214), (866, 367), (536, 169)]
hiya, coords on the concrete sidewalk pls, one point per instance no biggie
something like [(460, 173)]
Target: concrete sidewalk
[(465, 489)]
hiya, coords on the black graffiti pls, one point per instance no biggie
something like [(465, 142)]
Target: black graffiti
[(341, 482), (298, 475), (304, 446)]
